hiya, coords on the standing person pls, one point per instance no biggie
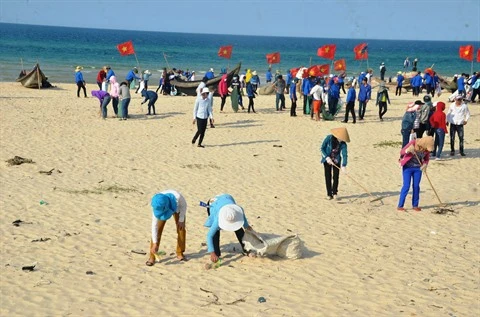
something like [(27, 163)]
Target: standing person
[(409, 121), (334, 154), (131, 76), (202, 111), (369, 76), (293, 97), (255, 80), (457, 116), (224, 214), (351, 97), (429, 83), (114, 93), (414, 160), (461, 85), (383, 69), (192, 76), (80, 81), (475, 87), (438, 121), (210, 74), (104, 98), (424, 113), (400, 79), (222, 90), (110, 73), (279, 85), (101, 77), (414, 68), (341, 81), (416, 82), (166, 204), (406, 63), (382, 99), (125, 95), (316, 92), (251, 95), (236, 96), (268, 76), (150, 96), (288, 80), (146, 77), (333, 95), (364, 95), (307, 85)]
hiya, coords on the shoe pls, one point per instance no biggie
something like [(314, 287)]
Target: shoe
[(452, 153), (400, 209), (200, 145), (335, 197), (438, 159), (212, 126), (462, 154), (345, 121), (329, 198), (417, 208), (381, 119), (354, 122)]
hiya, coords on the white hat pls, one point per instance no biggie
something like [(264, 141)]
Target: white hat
[(230, 217), (147, 72), (205, 90), (254, 72), (211, 69)]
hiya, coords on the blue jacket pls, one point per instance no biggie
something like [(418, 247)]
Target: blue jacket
[(110, 73), (149, 95), (428, 79), (79, 77), (209, 75), (334, 91), (400, 80), (212, 220), (361, 77), (307, 85), (326, 150), (461, 83), (416, 81), (289, 78), (365, 92), (250, 91), (351, 95), (131, 76), (268, 75), (293, 91)]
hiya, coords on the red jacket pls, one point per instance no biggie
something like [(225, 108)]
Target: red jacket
[(438, 118)]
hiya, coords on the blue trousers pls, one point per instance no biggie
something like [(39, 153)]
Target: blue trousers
[(125, 103), (409, 174), (106, 101), (439, 141)]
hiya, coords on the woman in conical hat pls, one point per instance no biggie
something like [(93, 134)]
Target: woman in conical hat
[(334, 158)]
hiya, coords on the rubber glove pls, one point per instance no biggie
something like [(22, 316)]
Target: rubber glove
[(344, 169), (329, 161)]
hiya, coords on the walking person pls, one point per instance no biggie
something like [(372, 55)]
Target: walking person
[(414, 160), (438, 121), (424, 117), (166, 204), (293, 97), (251, 95), (222, 90), (351, 97), (202, 111), (80, 81), (224, 214), (279, 85), (316, 93), (151, 97), (334, 157), (104, 98), (125, 95), (382, 99), (383, 69), (457, 116), (364, 95), (400, 79)]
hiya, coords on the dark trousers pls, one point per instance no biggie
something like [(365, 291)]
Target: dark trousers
[(330, 170), (342, 85), (475, 93), (350, 108), (216, 238), (456, 128), (201, 127), (362, 106), (293, 108), (81, 85), (398, 91), (151, 105), (332, 105), (115, 105), (99, 83), (382, 109), (421, 129), (250, 104), (280, 101), (306, 99), (224, 99), (125, 103)]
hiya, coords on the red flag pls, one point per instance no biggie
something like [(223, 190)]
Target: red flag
[(429, 70), (327, 51), (340, 65), (126, 48), (466, 52), (273, 58), (294, 71), (478, 55), (225, 51), (318, 70), (361, 51)]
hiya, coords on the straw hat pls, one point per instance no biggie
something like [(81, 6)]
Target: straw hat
[(426, 142), (78, 68), (230, 217), (341, 134)]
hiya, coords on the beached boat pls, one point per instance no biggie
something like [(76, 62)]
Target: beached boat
[(34, 79), (188, 87)]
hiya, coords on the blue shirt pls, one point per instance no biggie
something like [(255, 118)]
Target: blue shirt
[(306, 86), (461, 83), (365, 92), (351, 95), (212, 220), (131, 75), (334, 91), (209, 75), (203, 107), (110, 73), (78, 77), (268, 75), (293, 91), (400, 80)]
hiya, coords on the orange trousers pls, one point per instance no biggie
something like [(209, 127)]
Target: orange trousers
[(181, 235), (316, 106)]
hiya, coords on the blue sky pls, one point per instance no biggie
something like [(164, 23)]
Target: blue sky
[(455, 20)]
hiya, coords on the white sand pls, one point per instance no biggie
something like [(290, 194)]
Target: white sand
[(361, 258)]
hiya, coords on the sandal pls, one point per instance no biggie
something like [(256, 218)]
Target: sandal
[(149, 263)]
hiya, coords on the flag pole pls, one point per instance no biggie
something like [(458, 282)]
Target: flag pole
[(331, 68), (310, 62), (165, 57), (138, 64), (471, 67)]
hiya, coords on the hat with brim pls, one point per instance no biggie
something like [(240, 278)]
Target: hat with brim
[(230, 217), (148, 72), (78, 68), (205, 90), (426, 142), (254, 73), (341, 134), (163, 206), (459, 97)]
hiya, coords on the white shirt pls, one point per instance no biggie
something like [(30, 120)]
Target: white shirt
[(203, 107), (181, 210), (200, 87), (317, 92), (369, 78), (458, 115)]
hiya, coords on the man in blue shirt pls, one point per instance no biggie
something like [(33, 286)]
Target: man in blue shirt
[(364, 95), (351, 96), (461, 85), (400, 79)]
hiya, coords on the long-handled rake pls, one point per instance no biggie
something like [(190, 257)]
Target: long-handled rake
[(375, 198)]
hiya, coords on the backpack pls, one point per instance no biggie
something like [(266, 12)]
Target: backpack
[(408, 120)]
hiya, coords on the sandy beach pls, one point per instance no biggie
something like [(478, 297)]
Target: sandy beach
[(85, 210)]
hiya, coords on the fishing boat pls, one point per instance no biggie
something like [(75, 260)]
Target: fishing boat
[(188, 87), (34, 79)]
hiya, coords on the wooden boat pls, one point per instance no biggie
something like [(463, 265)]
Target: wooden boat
[(34, 79), (188, 87)]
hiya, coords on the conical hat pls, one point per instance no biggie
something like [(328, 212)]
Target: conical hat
[(341, 134)]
